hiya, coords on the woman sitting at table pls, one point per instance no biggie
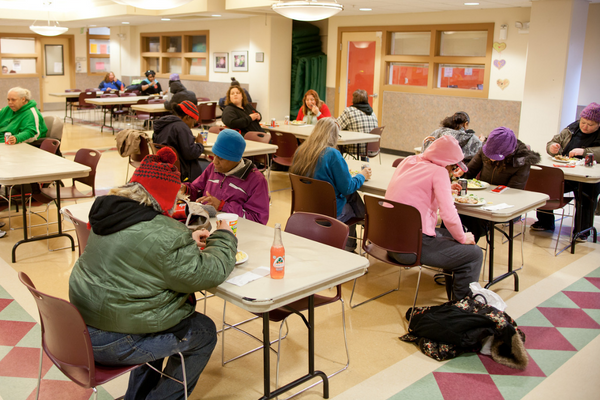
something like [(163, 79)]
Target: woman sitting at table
[(150, 85), (576, 140), (503, 160), (231, 183), (319, 158), (457, 126), (111, 82), (312, 108), (134, 284), (176, 131), (238, 112), (422, 181), (234, 82)]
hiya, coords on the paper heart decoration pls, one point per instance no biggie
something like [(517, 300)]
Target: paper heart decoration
[(503, 83), (499, 46), (499, 63)]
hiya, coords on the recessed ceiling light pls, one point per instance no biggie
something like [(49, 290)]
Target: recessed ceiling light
[(471, 4), (365, 9), (216, 15), (125, 23), (165, 19)]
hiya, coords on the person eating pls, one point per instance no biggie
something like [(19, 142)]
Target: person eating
[(457, 125), (313, 108), (239, 113), (150, 85)]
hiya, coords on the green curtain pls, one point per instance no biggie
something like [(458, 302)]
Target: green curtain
[(309, 64)]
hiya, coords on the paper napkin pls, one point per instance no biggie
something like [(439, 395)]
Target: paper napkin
[(497, 207), (253, 275)]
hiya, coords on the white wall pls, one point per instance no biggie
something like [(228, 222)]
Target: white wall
[(589, 89)]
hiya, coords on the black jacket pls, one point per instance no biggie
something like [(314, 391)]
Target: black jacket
[(172, 131), (236, 118), (180, 94)]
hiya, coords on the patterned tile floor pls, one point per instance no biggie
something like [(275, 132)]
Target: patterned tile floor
[(556, 330)]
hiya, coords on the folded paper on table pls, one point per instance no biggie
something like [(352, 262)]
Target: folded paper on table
[(497, 207), (253, 275)]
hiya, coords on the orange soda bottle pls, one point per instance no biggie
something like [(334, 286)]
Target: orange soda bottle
[(277, 261)]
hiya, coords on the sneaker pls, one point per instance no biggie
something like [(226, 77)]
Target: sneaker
[(2, 234), (537, 226), (582, 238)]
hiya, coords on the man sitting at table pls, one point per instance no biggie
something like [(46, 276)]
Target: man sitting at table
[(137, 297), (22, 118), (178, 93), (231, 183), (359, 117)]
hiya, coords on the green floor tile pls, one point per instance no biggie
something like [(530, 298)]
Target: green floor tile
[(14, 312), (594, 274), (582, 285), (516, 387), (593, 313), (55, 374), (4, 350), (424, 388), (4, 294), (579, 337), (550, 360), (467, 363), (33, 338), (534, 318), (559, 300), (16, 388)]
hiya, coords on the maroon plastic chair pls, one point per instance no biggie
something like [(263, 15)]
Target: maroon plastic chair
[(50, 145), (397, 161), (66, 341), (123, 109), (87, 157), (199, 99), (322, 229), (287, 144), (208, 113), (379, 239), (216, 129), (82, 104), (81, 230), (262, 137), (374, 148)]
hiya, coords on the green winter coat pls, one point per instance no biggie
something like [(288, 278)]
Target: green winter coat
[(27, 124), (137, 280)]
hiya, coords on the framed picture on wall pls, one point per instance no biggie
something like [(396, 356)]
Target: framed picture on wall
[(221, 62), (240, 60)]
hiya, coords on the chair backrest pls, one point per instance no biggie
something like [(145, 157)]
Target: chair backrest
[(134, 91), (318, 227), (92, 90), (83, 233), (128, 94), (216, 129), (89, 157), (105, 94), (548, 180), (392, 226), (313, 196), (287, 144), (86, 95), (397, 161), (202, 99), (156, 147), (373, 147), (142, 101), (208, 112), (65, 337), (144, 151), (50, 145), (255, 136), (55, 127), (253, 104)]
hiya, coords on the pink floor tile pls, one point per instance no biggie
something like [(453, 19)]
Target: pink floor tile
[(568, 318), (494, 368), (4, 303), (594, 281), (458, 386), (11, 332), (61, 390), (545, 338), (585, 299), (24, 362)]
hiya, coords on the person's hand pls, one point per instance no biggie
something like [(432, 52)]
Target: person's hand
[(456, 188), (469, 238), (482, 138), (200, 236), (429, 139), (209, 200), (554, 148), (199, 138), (315, 110), (12, 140), (366, 172), (255, 116), (224, 225), (183, 189), (572, 153), (457, 172)]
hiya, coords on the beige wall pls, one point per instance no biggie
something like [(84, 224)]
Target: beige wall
[(589, 90)]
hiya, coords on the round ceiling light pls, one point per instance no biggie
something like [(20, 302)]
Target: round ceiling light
[(153, 4), (307, 10)]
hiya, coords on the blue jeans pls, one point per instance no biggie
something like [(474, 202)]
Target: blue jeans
[(111, 348)]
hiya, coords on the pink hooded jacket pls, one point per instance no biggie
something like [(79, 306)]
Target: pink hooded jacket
[(422, 182)]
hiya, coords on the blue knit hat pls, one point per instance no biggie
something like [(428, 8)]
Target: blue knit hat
[(501, 143), (230, 145)]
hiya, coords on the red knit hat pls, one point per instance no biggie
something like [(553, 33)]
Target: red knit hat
[(160, 177), (190, 109)]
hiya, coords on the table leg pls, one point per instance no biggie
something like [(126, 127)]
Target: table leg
[(510, 237)]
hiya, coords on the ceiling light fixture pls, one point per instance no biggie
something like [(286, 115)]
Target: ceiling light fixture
[(307, 10), (365, 9), (50, 30), (125, 23), (153, 4), (216, 15), (165, 19), (471, 4)]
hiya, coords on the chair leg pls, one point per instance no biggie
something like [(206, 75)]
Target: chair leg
[(37, 393), (412, 310), (372, 298), (95, 393)]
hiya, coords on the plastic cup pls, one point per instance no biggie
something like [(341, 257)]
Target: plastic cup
[(204, 137), (231, 219)]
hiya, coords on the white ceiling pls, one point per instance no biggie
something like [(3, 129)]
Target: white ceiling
[(80, 13)]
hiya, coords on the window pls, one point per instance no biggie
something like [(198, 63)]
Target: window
[(98, 44), (19, 56), (184, 53), (446, 59)]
